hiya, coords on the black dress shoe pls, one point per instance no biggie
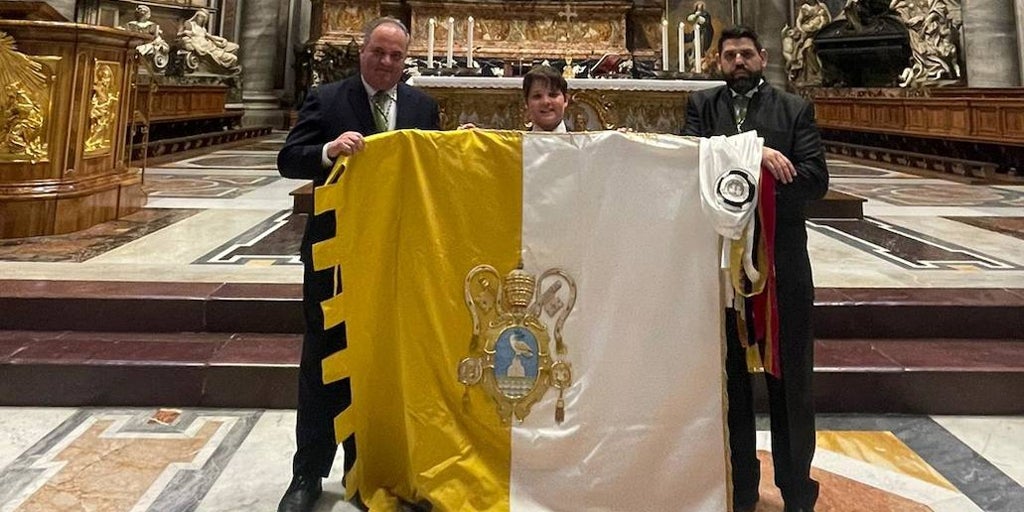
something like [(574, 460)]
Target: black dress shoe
[(301, 495)]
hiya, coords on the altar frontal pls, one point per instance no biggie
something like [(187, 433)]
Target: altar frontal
[(534, 321)]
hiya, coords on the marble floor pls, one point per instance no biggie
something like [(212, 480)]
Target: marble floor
[(209, 460), (225, 217)]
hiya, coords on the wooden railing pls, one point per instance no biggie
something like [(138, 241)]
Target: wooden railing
[(993, 116)]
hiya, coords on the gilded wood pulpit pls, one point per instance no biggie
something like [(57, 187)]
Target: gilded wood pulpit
[(66, 99)]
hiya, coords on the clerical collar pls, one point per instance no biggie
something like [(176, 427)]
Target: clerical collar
[(370, 91), (751, 92), (558, 129)]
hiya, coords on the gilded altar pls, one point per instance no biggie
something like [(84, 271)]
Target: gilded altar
[(67, 100), (624, 35), (657, 106), (505, 30)]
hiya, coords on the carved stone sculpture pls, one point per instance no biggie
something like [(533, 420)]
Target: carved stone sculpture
[(198, 45), (802, 64), (156, 51), (933, 30)]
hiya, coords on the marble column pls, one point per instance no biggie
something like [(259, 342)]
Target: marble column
[(767, 18), (991, 49), (260, 59), (300, 12), (1019, 8)]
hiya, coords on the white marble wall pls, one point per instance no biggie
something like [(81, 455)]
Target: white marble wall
[(991, 48)]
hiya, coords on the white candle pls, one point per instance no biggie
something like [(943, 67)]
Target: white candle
[(664, 44), (451, 42), (430, 42), (697, 53), (469, 42), (682, 48)]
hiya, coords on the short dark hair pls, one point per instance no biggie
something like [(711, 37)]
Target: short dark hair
[(739, 32), (384, 20), (546, 75)]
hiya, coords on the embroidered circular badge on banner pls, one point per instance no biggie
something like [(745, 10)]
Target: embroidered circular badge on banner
[(735, 190)]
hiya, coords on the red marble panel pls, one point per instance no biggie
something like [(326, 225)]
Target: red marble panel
[(260, 349)]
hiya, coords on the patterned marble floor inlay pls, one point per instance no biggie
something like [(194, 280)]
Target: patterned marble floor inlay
[(934, 194), (906, 248), (89, 243), (847, 170), (236, 161), (274, 241), (124, 459), (208, 186), (937, 462), (1010, 226), (219, 460)]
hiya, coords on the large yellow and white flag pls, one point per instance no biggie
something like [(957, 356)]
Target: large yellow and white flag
[(591, 380)]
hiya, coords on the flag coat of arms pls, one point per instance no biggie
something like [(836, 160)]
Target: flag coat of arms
[(591, 378)]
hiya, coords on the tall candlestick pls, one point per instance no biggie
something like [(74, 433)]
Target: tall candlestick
[(451, 42), (430, 42), (469, 42), (697, 53), (682, 48), (664, 44)]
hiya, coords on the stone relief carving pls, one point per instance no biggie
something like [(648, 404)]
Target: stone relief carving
[(103, 106), (157, 51), (657, 112), (199, 46), (934, 28), (349, 19), (23, 104), (802, 64)]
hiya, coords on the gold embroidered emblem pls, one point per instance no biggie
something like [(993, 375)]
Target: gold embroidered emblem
[(515, 317)]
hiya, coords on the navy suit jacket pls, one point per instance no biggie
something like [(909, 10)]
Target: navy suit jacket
[(339, 107), (329, 111)]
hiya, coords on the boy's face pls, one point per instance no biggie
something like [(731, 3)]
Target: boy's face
[(545, 107)]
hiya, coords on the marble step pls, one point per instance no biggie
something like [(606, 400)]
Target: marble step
[(920, 376), (151, 306), (276, 308), (81, 368), (77, 368), (893, 313)]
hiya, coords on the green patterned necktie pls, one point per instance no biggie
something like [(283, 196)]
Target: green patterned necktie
[(381, 106)]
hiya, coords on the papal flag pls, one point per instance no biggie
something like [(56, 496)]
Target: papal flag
[(534, 321)]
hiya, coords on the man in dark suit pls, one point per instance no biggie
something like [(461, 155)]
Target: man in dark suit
[(333, 121), (794, 157)]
